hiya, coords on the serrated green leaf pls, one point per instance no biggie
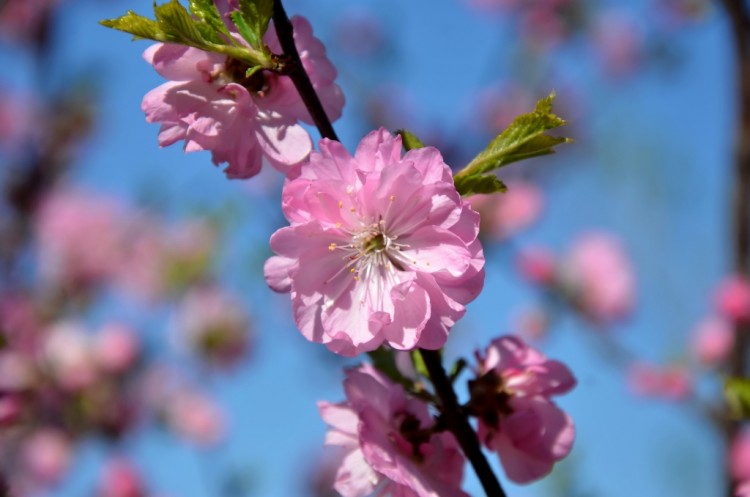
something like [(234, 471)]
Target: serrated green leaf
[(136, 25), (409, 139), (479, 184), (255, 16), (525, 138), (206, 11), (244, 29), (737, 393), (177, 24)]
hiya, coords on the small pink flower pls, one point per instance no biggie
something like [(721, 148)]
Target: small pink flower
[(712, 341), (512, 397), (599, 275), (504, 215), (670, 383), (380, 248), (116, 348), (215, 325), (121, 479), (739, 456), (618, 43), (538, 265), (69, 356), (211, 105), (733, 298), (387, 442), (195, 417), (46, 455)]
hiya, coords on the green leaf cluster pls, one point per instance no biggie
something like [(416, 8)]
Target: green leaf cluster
[(525, 138), (737, 393), (203, 27)]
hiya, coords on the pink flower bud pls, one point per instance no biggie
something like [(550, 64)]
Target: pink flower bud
[(733, 298)]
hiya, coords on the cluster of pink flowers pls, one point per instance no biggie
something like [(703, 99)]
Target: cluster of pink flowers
[(595, 276), (381, 248), (388, 442), (210, 104)]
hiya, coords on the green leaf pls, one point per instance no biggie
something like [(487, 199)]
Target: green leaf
[(479, 184), (525, 138), (244, 29), (737, 393), (138, 26), (253, 20), (419, 365), (177, 24), (410, 140), (206, 11)]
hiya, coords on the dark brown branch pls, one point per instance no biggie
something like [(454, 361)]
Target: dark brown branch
[(456, 421), (737, 364), (297, 73)]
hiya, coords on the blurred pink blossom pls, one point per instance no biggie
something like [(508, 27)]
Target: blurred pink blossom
[(69, 356), (538, 265), (671, 383), (743, 489), (733, 298), (116, 347), (504, 215), (211, 105), (495, 108), (195, 417), (599, 275), (739, 456), (712, 341), (214, 324), (380, 248), (387, 442), (121, 479), (617, 42), (512, 397), (46, 455), (24, 18)]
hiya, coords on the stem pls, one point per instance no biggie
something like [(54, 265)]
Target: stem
[(457, 422), (454, 416), (736, 365), (297, 73)]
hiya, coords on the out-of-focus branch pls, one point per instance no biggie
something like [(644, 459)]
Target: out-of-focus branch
[(739, 19)]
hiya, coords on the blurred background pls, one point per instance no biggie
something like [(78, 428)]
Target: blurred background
[(142, 354)]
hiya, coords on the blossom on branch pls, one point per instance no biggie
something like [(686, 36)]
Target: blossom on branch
[(512, 397), (211, 104), (388, 442), (381, 248)]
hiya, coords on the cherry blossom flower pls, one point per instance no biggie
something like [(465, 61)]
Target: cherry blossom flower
[(712, 341), (507, 214), (195, 417), (46, 455), (116, 348), (121, 479), (512, 397), (380, 248), (599, 276), (211, 105), (733, 298), (387, 443)]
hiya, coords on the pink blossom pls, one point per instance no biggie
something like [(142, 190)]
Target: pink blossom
[(121, 479), (538, 265), (504, 215), (24, 18), (211, 105), (387, 442), (739, 456), (214, 324), (69, 356), (733, 298), (380, 248), (65, 223), (46, 454), (712, 341), (671, 383), (116, 347), (599, 275), (195, 417), (512, 397)]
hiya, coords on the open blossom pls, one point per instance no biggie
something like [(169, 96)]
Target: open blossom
[(381, 248), (512, 397), (387, 443), (211, 105)]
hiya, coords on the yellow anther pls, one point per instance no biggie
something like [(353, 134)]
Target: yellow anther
[(332, 246), (338, 224), (352, 270), (341, 204), (392, 197), (352, 209)]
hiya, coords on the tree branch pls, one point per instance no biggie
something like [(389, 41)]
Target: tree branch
[(301, 80), (458, 424)]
